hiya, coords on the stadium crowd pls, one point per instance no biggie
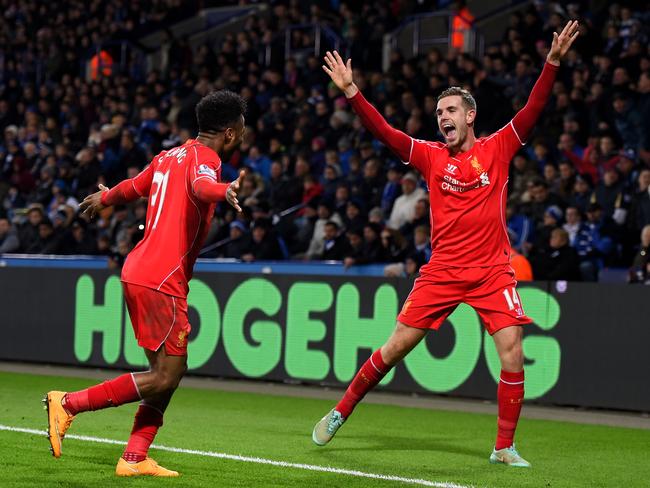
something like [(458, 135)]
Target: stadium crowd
[(318, 185)]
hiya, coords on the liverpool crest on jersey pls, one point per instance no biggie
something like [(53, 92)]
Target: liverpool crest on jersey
[(477, 166)]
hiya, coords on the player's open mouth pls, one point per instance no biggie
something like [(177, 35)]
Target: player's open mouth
[(449, 130)]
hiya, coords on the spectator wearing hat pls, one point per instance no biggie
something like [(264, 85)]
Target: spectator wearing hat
[(8, 237), (238, 240), (404, 207), (640, 270)]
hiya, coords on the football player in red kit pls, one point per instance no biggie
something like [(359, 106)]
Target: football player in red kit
[(182, 188), (470, 263)]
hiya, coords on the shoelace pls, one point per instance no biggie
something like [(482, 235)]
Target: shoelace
[(332, 424)]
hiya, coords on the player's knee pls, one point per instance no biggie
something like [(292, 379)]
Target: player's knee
[(513, 357), (167, 380)]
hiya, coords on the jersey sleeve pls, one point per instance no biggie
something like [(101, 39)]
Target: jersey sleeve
[(204, 175), (397, 141), (510, 138), (142, 181), (507, 142), (421, 155), (130, 189)]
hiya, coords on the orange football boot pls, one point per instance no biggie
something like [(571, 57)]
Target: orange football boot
[(58, 420), (148, 467)]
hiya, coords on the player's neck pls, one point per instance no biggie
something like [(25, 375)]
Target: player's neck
[(467, 144), (210, 141)]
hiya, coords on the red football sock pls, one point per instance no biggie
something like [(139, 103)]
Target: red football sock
[(510, 395), (148, 420), (110, 393), (370, 374)]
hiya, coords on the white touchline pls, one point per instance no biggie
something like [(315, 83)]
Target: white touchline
[(251, 459)]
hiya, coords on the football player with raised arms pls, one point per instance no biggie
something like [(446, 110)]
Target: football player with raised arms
[(470, 263), (182, 187)]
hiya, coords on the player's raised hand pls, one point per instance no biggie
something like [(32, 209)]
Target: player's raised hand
[(340, 72), (92, 204), (562, 42), (233, 189)]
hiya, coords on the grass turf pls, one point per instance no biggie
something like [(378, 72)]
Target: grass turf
[(439, 446)]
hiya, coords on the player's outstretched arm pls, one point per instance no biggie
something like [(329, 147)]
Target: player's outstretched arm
[(524, 121), (126, 191), (209, 191), (341, 75)]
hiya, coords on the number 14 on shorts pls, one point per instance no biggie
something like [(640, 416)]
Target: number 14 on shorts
[(512, 299)]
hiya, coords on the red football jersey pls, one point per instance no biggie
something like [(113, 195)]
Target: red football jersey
[(177, 221), (468, 195)]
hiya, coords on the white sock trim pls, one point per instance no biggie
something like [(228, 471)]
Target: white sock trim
[(510, 382)]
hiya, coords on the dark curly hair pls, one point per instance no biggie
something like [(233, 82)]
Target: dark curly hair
[(219, 110)]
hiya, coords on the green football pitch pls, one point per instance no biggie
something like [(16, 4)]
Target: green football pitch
[(217, 438)]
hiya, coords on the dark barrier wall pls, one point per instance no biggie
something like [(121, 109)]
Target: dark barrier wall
[(589, 345)]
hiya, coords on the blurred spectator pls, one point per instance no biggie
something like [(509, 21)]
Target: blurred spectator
[(404, 207), (640, 271), (263, 245), (48, 240), (238, 240), (334, 244), (520, 229), (8, 237), (79, 241), (561, 262), (29, 232), (316, 246)]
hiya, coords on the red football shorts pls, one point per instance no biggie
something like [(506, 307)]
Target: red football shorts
[(158, 319), (440, 289)]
